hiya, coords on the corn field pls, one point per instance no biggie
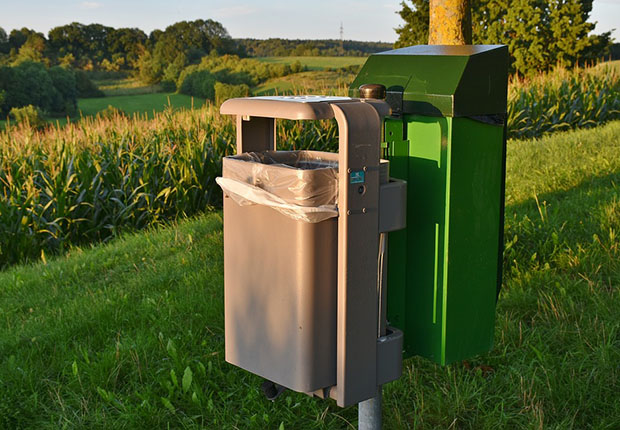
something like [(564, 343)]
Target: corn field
[(90, 180), (563, 100)]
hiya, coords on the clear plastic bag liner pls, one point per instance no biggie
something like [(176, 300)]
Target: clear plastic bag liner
[(245, 194), (300, 184)]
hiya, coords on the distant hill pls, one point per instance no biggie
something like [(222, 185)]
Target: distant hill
[(298, 47)]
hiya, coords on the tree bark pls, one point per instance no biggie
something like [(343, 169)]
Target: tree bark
[(450, 22)]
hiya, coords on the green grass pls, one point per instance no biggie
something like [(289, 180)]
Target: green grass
[(131, 100), (318, 63), (142, 103), (130, 334), (313, 82), (126, 87)]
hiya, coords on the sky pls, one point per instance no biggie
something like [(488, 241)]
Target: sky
[(314, 19)]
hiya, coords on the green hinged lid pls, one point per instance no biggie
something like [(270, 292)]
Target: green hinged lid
[(440, 80)]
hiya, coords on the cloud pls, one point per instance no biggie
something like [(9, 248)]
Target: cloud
[(235, 11), (90, 5)]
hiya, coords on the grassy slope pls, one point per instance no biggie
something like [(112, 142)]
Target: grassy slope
[(143, 103), (317, 63), (103, 338), (126, 86), (315, 82)]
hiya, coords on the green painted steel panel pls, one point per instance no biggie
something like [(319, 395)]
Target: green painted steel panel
[(443, 269), (475, 223)]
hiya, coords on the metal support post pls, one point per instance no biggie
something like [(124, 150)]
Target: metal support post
[(369, 413)]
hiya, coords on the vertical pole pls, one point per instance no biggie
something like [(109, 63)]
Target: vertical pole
[(450, 22), (369, 413)]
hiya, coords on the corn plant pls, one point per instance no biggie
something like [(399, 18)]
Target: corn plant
[(92, 179), (563, 100)]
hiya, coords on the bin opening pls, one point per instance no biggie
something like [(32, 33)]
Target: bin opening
[(303, 160), (302, 185)]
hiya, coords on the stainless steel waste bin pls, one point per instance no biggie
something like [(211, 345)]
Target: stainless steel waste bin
[(303, 259)]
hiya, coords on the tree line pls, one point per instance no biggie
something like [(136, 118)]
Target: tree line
[(540, 34), (276, 47), (99, 47), (95, 46), (52, 90), (197, 57)]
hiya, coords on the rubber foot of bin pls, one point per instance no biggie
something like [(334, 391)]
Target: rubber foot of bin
[(271, 390)]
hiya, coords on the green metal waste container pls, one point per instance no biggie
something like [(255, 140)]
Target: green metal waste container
[(446, 137)]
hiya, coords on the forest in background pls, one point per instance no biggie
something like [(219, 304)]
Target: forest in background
[(197, 58), (98, 47), (200, 59)]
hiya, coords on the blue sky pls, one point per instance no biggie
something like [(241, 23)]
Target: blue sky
[(315, 19)]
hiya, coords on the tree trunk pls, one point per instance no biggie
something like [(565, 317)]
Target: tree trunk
[(450, 22)]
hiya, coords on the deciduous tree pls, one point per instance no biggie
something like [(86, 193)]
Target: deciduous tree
[(450, 22), (415, 29), (539, 33), (4, 42)]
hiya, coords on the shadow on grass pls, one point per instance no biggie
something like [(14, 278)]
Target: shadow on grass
[(565, 223)]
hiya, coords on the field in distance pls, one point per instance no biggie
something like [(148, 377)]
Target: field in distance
[(317, 63), (142, 103)]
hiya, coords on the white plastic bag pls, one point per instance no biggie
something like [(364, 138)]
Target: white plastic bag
[(245, 194)]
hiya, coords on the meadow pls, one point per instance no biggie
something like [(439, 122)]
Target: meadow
[(317, 63), (125, 86), (143, 104), (326, 82), (111, 280), (129, 334)]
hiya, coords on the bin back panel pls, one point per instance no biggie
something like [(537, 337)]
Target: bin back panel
[(474, 229)]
